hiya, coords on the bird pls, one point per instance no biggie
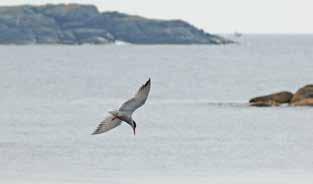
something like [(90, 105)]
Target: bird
[(124, 113)]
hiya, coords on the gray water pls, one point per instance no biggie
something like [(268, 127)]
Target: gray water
[(196, 126)]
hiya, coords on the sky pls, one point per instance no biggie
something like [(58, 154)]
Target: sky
[(215, 16)]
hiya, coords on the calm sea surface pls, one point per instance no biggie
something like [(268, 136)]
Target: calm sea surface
[(196, 126)]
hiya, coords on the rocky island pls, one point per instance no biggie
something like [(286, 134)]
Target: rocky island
[(84, 24)]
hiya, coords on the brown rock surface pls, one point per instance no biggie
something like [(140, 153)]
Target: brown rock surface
[(304, 96), (274, 99), (304, 102)]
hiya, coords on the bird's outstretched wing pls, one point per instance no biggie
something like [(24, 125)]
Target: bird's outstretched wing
[(107, 124), (138, 100)]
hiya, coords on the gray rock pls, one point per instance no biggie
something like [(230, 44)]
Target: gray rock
[(92, 36), (79, 24), (135, 29)]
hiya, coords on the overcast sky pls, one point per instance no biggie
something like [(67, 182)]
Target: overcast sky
[(217, 16)]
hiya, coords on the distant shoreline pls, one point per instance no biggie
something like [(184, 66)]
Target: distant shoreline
[(76, 24)]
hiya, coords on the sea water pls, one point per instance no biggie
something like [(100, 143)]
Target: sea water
[(196, 126)]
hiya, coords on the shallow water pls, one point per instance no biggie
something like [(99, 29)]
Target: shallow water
[(196, 126)]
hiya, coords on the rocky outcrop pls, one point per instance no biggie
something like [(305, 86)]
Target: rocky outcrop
[(274, 99), (80, 24), (303, 97), (135, 29)]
